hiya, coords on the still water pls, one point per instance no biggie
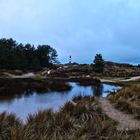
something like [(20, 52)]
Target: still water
[(27, 104)]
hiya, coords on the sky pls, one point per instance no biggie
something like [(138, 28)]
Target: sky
[(80, 28)]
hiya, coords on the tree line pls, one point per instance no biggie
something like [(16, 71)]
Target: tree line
[(19, 56)]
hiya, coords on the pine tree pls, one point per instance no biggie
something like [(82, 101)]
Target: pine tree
[(98, 63)]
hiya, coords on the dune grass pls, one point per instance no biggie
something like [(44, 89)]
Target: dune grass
[(128, 100), (83, 120)]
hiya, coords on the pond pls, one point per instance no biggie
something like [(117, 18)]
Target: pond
[(30, 103)]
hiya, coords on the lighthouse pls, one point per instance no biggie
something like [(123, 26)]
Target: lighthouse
[(70, 59)]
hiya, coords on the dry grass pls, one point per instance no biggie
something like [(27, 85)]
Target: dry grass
[(128, 100), (81, 121), (9, 126)]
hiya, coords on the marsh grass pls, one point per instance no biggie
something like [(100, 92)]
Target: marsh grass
[(9, 125), (128, 100), (9, 87), (83, 98), (88, 81), (81, 121)]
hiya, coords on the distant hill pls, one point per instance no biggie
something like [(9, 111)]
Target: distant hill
[(109, 63), (111, 69)]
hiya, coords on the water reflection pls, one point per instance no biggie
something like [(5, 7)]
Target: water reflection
[(30, 101), (98, 90)]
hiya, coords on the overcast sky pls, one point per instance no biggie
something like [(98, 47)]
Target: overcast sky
[(81, 28)]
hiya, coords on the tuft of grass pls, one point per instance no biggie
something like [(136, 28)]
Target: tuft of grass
[(83, 97), (128, 100), (9, 125), (82, 121)]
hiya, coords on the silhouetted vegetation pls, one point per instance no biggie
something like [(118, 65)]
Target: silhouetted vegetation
[(19, 56), (98, 63), (88, 81), (11, 87)]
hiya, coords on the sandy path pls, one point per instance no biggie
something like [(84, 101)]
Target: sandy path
[(28, 75), (131, 79), (125, 121), (125, 80), (108, 81)]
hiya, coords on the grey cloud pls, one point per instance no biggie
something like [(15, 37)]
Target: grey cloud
[(80, 28)]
